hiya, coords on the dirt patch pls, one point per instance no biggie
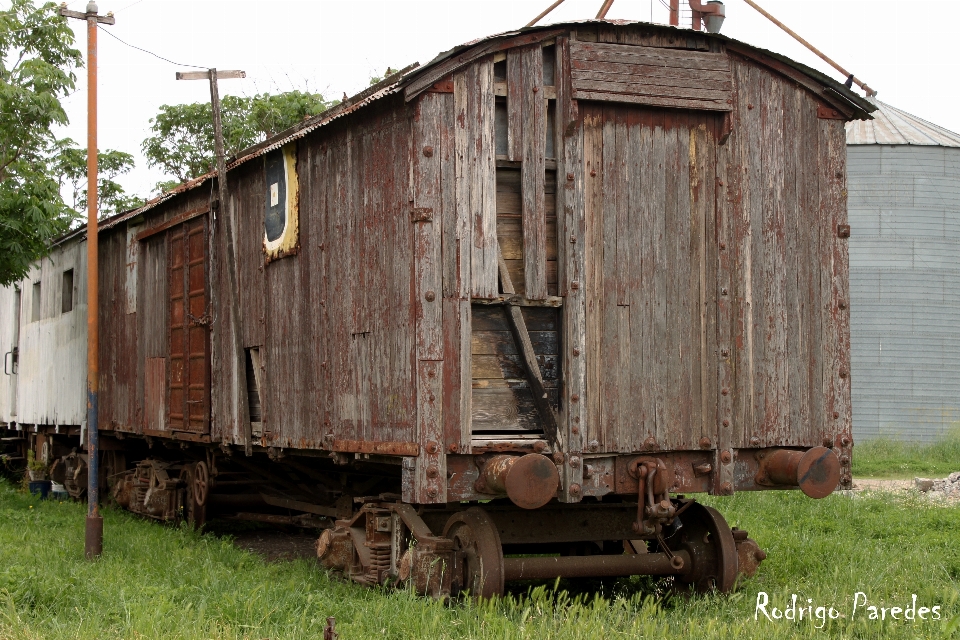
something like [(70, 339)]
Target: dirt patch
[(873, 484), (944, 491), (274, 546)]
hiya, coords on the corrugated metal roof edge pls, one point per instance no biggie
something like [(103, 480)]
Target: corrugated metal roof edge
[(948, 138), (395, 82), (114, 220)]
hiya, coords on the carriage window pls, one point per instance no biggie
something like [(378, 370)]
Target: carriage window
[(281, 202), (35, 309), (66, 294)]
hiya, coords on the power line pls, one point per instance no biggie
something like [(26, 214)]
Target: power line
[(128, 6), (178, 64)]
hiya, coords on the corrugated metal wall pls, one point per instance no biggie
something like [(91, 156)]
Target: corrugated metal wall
[(53, 345), (904, 209)]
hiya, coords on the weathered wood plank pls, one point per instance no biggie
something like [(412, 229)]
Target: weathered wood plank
[(592, 260), (693, 60), (650, 88), (641, 201), (448, 197), (652, 101), (797, 342), (515, 100), (773, 325), (510, 237), (494, 318), (426, 173), (652, 38), (702, 156), (624, 156), (454, 382), (515, 267), (573, 175), (512, 367), (658, 289), (674, 280), (726, 245), (836, 323), (478, 128), (464, 162), (809, 163), (533, 113), (751, 353), (608, 274), (430, 484), (498, 409), (657, 74), (562, 76), (502, 343)]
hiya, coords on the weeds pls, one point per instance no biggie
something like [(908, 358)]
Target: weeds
[(885, 458), (157, 581)]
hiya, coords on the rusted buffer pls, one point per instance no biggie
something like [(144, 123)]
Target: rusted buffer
[(520, 300)]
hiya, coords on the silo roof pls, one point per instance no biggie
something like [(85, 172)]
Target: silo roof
[(893, 126)]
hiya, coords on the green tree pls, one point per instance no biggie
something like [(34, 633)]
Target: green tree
[(70, 164), (37, 63), (182, 144)]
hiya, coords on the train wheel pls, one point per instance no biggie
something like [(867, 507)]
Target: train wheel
[(478, 555), (201, 483), (706, 536), (195, 496), (113, 465)]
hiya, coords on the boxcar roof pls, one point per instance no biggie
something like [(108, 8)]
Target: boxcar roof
[(415, 79)]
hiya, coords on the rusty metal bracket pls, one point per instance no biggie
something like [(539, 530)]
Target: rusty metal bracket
[(654, 508), (421, 214), (828, 113), (443, 86)]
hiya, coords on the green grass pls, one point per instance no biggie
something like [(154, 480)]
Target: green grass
[(157, 581), (884, 458)]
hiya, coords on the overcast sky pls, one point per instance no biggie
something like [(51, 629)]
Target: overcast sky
[(905, 50)]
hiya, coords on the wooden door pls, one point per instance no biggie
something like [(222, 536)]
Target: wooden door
[(189, 373), (650, 277)]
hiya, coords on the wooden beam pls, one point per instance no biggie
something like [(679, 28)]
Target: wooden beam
[(529, 358), (519, 301), (172, 222), (79, 15)]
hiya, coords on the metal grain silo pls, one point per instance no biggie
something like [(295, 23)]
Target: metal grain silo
[(904, 211)]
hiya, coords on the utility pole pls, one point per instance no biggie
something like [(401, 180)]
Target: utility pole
[(93, 539), (240, 361)]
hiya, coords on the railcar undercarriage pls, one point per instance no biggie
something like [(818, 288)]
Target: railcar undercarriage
[(371, 536)]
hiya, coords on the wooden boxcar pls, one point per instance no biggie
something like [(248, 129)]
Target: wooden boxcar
[(518, 300)]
